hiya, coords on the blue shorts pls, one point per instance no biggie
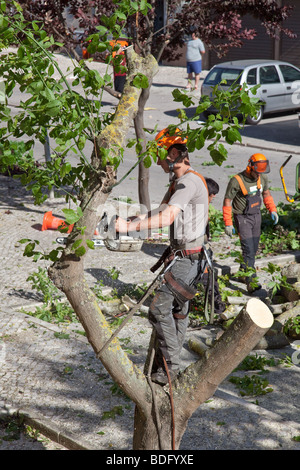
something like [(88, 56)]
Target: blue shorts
[(195, 67)]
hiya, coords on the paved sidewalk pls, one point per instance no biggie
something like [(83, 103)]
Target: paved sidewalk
[(50, 374)]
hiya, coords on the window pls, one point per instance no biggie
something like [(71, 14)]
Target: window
[(217, 74), (268, 74), (290, 74), (251, 77)]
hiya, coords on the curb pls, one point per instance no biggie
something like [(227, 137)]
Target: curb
[(66, 439), (280, 260), (266, 147), (257, 143)]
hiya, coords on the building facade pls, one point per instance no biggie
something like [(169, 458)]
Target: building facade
[(262, 46)]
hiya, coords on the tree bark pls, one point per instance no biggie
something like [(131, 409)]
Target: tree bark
[(68, 273), (284, 317), (143, 181), (200, 380), (291, 295), (277, 341)]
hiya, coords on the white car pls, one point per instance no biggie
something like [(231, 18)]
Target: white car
[(279, 83)]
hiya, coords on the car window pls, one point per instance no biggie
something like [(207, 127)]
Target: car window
[(217, 74), (251, 77), (290, 74), (268, 74)]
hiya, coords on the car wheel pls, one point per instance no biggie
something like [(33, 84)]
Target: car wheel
[(255, 120)]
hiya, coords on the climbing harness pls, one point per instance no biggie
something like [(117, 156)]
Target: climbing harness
[(210, 283)]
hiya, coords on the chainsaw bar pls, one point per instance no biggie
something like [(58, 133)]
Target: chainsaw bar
[(96, 241)]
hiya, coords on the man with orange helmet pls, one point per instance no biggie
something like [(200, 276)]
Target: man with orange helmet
[(185, 209), (243, 197), (119, 64)]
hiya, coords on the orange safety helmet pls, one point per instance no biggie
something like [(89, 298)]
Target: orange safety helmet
[(164, 139), (119, 43), (259, 163)]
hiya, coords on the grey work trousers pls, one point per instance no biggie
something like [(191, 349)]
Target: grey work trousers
[(249, 229), (170, 331)]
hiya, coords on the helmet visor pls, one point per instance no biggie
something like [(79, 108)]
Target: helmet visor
[(261, 166)]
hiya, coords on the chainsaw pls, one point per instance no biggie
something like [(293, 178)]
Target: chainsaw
[(110, 238)]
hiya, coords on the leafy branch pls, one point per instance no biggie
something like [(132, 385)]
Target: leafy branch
[(225, 124)]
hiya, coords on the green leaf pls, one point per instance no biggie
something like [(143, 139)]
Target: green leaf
[(53, 255), (35, 26), (65, 169), (102, 30), (24, 240), (217, 125), (80, 251), (147, 161), (76, 244), (232, 135), (90, 244), (140, 81), (71, 216), (53, 108)]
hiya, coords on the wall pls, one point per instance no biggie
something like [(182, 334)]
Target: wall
[(262, 46)]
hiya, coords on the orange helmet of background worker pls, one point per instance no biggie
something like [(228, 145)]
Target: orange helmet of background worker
[(120, 43), (164, 139), (259, 163)]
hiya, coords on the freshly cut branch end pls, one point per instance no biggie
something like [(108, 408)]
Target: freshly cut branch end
[(259, 313)]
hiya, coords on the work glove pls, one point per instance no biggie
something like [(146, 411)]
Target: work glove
[(229, 230), (274, 217)]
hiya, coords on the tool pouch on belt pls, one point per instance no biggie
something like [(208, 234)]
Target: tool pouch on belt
[(182, 291)]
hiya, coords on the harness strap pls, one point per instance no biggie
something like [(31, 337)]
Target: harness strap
[(192, 251), (179, 316), (180, 287), (242, 185), (201, 177), (172, 186)]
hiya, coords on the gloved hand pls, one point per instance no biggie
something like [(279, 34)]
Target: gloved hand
[(229, 230), (275, 217)]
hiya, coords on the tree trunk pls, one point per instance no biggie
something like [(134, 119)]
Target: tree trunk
[(143, 181), (68, 273), (284, 317), (277, 341), (200, 380)]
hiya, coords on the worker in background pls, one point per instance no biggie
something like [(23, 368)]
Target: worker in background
[(119, 65), (243, 197)]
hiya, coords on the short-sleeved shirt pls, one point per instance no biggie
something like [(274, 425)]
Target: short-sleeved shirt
[(190, 195), (235, 193), (194, 47)]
